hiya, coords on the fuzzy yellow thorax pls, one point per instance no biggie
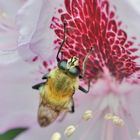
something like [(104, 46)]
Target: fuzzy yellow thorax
[(59, 88)]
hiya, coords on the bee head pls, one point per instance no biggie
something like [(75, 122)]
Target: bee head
[(72, 62), (71, 66)]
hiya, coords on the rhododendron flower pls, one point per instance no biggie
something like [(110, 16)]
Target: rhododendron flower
[(34, 31)]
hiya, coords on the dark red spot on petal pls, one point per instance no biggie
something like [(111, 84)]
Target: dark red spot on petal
[(45, 64), (60, 10), (35, 59)]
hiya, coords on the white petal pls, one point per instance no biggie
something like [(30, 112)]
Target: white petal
[(18, 101), (36, 37)]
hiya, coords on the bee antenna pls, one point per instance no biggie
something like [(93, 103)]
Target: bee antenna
[(62, 44)]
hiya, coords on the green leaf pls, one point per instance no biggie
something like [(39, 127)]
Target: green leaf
[(12, 133)]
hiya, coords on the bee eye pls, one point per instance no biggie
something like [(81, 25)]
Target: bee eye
[(75, 71), (62, 64)]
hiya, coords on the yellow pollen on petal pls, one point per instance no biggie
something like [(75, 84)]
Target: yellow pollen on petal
[(87, 115), (108, 116), (117, 120), (138, 133), (121, 123), (69, 130), (3, 14), (56, 136)]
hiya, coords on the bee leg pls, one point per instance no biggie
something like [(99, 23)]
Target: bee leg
[(64, 39), (71, 107), (84, 63), (37, 86), (62, 116), (45, 76), (83, 89)]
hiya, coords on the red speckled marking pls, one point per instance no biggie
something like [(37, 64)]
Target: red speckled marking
[(92, 23), (45, 64), (35, 59)]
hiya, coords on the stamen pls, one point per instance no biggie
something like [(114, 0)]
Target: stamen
[(117, 120), (87, 115), (56, 136), (114, 118), (138, 133), (108, 116), (4, 14), (69, 130)]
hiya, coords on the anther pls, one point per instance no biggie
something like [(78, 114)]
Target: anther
[(87, 115), (56, 136), (69, 130)]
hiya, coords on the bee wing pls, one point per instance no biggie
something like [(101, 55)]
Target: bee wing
[(46, 114), (37, 86)]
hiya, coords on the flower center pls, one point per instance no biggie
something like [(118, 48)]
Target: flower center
[(93, 23), (112, 103)]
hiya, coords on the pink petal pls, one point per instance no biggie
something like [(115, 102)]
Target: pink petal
[(36, 38), (8, 33), (18, 102), (131, 17)]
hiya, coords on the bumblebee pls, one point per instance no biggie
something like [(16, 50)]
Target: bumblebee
[(56, 93)]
